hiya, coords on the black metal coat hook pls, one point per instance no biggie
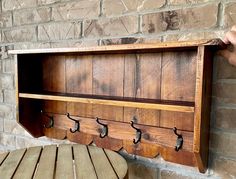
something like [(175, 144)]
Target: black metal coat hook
[(104, 131), (138, 133), (51, 120), (179, 140), (76, 126)]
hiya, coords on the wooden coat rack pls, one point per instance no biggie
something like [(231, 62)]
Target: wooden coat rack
[(147, 99)]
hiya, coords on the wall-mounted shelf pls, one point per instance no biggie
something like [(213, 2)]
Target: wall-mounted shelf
[(92, 94)]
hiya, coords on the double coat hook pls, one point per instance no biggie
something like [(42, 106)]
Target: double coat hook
[(138, 133), (104, 129), (179, 140), (51, 120), (76, 125)]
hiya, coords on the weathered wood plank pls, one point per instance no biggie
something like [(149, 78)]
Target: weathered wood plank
[(28, 164), (64, 164), (2, 157), (178, 83), (142, 80), (119, 164), (83, 165), (8, 168), (47, 162), (101, 163)]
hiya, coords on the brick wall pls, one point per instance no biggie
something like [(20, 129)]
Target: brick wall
[(70, 23)]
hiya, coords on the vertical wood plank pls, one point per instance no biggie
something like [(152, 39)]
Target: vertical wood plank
[(46, 164), (28, 164), (64, 165), (79, 81), (11, 163), (202, 107), (54, 80), (83, 165), (178, 83), (108, 74), (54, 73), (101, 163), (142, 80)]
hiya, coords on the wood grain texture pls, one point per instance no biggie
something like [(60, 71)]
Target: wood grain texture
[(119, 164), (123, 131), (101, 163), (129, 48), (53, 71), (62, 161), (203, 103), (3, 157), (28, 164), (178, 83), (106, 104), (160, 86), (8, 168), (30, 117), (83, 165), (64, 165), (46, 163), (108, 81), (142, 80)]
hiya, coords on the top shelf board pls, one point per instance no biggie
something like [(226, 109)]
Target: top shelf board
[(123, 48)]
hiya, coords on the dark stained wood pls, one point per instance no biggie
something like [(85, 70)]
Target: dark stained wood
[(142, 80), (30, 117), (79, 80), (203, 107), (119, 130), (53, 71), (160, 86), (178, 83), (108, 80)]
